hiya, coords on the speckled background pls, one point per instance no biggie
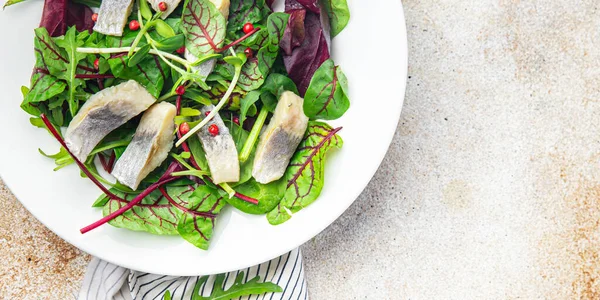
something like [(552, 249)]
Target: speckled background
[(490, 190)]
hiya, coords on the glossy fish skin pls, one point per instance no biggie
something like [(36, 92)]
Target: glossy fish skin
[(112, 16), (279, 140), (103, 113), (221, 154), (150, 146)]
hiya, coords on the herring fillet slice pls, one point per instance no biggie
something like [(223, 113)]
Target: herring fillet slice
[(150, 146), (221, 153), (103, 113), (280, 139), (112, 16)]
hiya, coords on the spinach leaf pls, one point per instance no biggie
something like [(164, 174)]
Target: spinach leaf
[(338, 13), (200, 208), (204, 27), (269, 196), (326, 97), (245, 11), (305, 175), (238, 289), (247, 104)]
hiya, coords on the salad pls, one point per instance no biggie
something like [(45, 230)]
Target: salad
[(175, 109)]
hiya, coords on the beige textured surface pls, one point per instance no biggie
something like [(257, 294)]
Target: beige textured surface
[(35, 263), (491, 189)]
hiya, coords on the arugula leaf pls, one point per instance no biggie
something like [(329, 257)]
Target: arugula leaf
[(204, 27), (198, 219), (338, 13), (70, 42), (238, 289), (151, 72), (326, 97), (305, 175)]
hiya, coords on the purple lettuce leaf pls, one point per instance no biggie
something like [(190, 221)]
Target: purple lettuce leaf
[(305, 47), (59, 15)]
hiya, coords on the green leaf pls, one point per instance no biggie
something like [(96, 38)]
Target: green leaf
[(277, 83), (276, 24), (11, 2), (326, 97), (204, 27), (238, 289), (139, 56), (304, 178), (269, 196), (171, 44), (154, 214), (145, 9), (43, 87), (164, 29), (244, 11), (338, 13), (198, 152), (247, 104), (48, 55), (62, 158), (197, 222), (218, 91), (70, 42)]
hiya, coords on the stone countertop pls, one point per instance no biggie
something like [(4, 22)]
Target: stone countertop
[(491, 188)]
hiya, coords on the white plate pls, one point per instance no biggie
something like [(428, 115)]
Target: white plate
[(372, 52)]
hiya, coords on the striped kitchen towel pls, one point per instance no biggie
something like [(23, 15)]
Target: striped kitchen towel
[(105, 281)]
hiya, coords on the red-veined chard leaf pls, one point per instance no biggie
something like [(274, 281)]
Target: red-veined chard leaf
[(43, 87), (197, 222), (187, 210), (338, 13), (204, 27), (244, 11), (154, 214), (48, 55), (304, 177), (256, 69), (326, 96)]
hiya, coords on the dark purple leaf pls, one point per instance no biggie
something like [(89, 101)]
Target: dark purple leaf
[(58, 15), (294, 32), (304, 55)]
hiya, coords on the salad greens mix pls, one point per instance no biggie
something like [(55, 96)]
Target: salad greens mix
[(217, 62)]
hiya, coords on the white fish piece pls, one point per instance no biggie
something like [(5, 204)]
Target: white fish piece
[(221, 154), (208, 66), (112, 16), (278, 142), (103, 113), (150, 146)]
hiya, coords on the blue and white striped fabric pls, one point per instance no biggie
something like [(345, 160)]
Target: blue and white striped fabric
[(105, 281)]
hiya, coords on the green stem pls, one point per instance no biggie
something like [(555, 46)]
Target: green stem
[(170, 56), (139, 36), (258, 125), (194, 172), (227, 188), (215, 111)]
